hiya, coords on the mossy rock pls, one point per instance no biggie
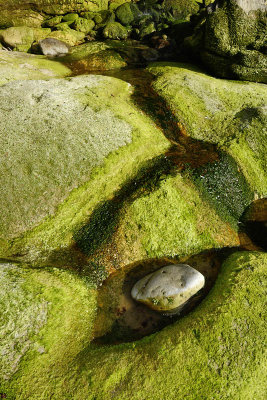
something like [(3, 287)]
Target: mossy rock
[(20, 66), (234, 41), (128, 13), (51, 22), (69, 36), (21, 38), (84, 25), (230, 114), (106, 103), (222, 338), (114, 30), (71, 17)]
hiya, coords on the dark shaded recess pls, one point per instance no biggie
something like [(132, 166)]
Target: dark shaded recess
[(254, 222), (257, 232), (224, 186), (105, 217)]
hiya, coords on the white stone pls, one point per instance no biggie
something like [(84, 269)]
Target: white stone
[(169, 287), (53, 47)]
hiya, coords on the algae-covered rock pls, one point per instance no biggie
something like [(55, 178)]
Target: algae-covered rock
[(21, 38), (84, 25), (33, 304), (19, 66), (71, 17), (169, 287), (51, 22), (72, 124), (234, 40), (231, 114), (223, 338), (69, 36), (128, 13), (114, 30)]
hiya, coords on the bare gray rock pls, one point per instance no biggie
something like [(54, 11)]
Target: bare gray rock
[(53, 47), (169, 287)]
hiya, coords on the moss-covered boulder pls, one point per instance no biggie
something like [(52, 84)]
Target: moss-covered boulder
[(114, 30), (21, 66), (21, 38), (231, 114), (71, 194), (218, 349), (231, 41)]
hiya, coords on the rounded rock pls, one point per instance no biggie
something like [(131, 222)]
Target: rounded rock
[(169, 287)]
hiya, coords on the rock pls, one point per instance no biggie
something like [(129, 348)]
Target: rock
[(50, 23), (169, 288), (128, 13), (147, 29), (100, 61), (231, 114), (27, 298), (22, 66), (114, 30), (84, 25), (234, 40), (21, 38), (71, 17), (69, 36), (53, 47)]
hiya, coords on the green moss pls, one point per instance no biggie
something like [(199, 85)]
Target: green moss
[(216, 350), (228, 113), (84, 25), (114, 30), (147, 142)]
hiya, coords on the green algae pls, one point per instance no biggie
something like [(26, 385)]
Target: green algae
[(218, 111), (57, 230), (220, 344)]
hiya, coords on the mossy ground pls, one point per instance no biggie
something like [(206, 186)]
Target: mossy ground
[(211, 353)]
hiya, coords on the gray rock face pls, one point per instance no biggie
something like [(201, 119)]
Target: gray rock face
[(53, 47), (168, 288), (252, 5)]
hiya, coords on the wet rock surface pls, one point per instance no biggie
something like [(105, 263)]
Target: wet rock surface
[(168, 288)]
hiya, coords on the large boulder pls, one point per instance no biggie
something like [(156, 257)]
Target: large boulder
[(232, 40), (31, 12)]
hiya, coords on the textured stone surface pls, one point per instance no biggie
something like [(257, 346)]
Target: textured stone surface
[(53, 47), (168, 288), (60, 116), (234, 41), (21, 38), (19, 66)]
